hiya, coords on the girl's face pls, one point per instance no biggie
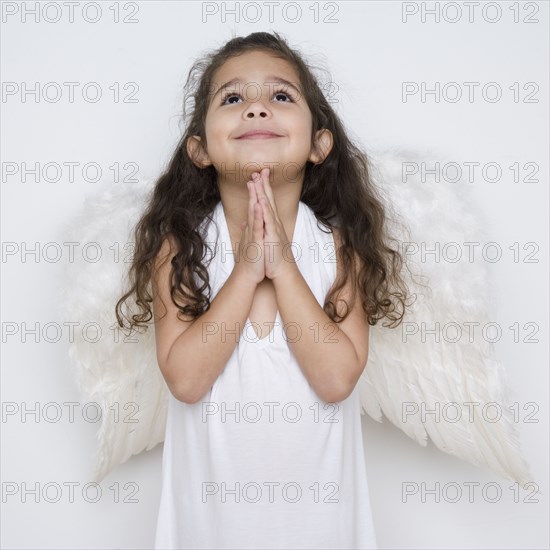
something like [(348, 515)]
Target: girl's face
[(248, 93)]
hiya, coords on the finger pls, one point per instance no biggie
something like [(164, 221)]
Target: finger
[(258, 227), (256, 218), (260, 190), (267, 214), (251, 202), (268, 190), (270, 215), (252, 188)]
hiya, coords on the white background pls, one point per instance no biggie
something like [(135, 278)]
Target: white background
[(370, 52)]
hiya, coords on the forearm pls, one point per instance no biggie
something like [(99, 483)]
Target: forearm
[(324, 352), (199, 354)]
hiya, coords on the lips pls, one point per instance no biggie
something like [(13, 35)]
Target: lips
[(259, 134)]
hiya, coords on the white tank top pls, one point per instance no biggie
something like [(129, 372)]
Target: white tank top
[(261, 461)]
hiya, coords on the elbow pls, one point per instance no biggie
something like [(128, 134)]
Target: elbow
[(342, 395), (346, 393), (189, 394), (184, 394), (178, 385), (181, 391), (335, 392), (182, 397), (339, 387), (347, 382)]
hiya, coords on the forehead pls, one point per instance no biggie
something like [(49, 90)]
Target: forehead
[(255, 61), (257, 66)]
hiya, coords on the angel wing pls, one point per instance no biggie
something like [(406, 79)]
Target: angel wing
[(117, 372), (437, 376), (405, 377)]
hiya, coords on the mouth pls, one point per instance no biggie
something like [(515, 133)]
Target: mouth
[(259, 134)]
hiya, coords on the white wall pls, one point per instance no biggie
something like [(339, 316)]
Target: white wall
[(370, 52)]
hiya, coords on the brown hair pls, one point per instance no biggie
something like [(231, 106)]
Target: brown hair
[(340, 191)]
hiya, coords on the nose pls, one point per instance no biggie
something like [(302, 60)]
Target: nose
[(262, 113), (257, 108)]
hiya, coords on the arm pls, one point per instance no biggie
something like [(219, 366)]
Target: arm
[(331, 355), (192, 353)]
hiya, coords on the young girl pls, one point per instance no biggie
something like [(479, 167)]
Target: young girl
[(262, 345)]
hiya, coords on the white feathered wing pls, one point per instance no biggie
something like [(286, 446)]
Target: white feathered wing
[(408, 372), (122, 375), (118, 372)]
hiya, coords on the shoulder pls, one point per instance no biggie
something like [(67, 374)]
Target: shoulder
[(168, 249), (337, 235)]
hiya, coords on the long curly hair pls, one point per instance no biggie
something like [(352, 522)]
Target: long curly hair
[(339, 190)]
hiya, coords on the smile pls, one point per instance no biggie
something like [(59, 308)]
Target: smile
[(259, 134)]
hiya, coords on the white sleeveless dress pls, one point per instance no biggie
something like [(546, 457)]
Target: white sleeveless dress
[(262, 461)]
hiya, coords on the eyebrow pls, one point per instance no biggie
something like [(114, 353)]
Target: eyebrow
[(269, 79)]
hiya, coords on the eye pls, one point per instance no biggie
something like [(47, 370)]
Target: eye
[(291, 99), (227, 96), (277, 93)]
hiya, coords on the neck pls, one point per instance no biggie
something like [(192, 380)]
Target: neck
[(235, 199)]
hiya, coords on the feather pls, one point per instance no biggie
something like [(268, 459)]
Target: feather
[(453, 379), (408, 373), (118, 372)]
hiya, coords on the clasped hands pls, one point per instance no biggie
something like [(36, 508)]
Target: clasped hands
[(263, 250)]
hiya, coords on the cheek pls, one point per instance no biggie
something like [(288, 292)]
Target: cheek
[(301, 126), (212, 137), (209, 128), (302, 134), (217, 128)]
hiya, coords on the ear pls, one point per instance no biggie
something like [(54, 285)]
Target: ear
[(197, 153), (322, 146)]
